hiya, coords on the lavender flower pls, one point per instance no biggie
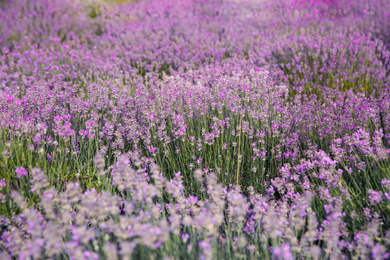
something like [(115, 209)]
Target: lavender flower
[(21, 171), (3, 184), (374, 197)]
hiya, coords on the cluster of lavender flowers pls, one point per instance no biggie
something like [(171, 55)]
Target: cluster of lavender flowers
[(195, 128), (157, 220)]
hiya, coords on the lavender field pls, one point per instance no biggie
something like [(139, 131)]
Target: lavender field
[(195, 129)]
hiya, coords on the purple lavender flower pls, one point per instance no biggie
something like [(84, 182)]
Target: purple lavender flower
[(374, 197), (3, 184), (21, 171)]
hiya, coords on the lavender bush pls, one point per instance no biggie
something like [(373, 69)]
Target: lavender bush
[(194, 129)]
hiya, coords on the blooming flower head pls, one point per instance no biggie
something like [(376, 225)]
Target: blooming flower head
[(374, 197), (21, 171), (2, 184), (198, 174), (283, 252)]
